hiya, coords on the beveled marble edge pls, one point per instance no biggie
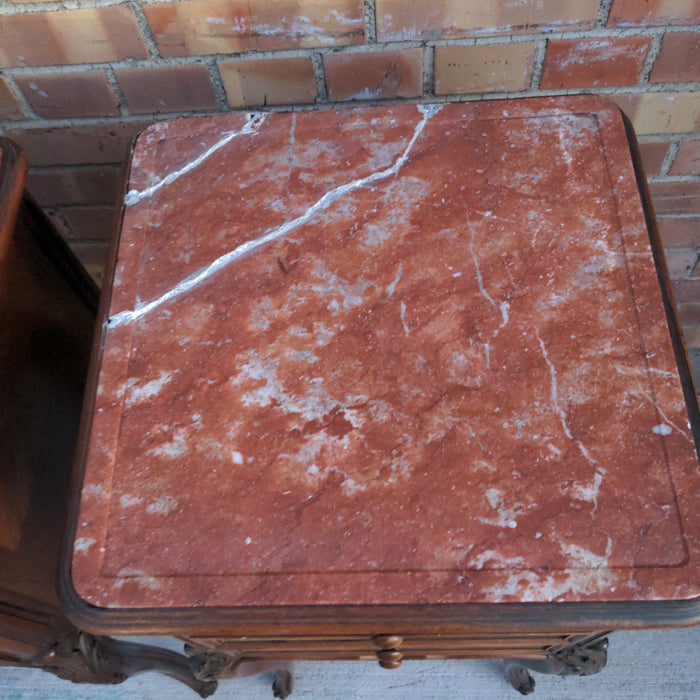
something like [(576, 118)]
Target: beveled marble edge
[(633, 231)]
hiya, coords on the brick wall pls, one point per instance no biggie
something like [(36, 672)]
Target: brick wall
[(80, 77)]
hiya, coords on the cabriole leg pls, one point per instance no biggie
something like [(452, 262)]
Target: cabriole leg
[(582, 656)]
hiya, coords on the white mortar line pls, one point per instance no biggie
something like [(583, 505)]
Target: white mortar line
[(538, 64), (669, 179), (428, 71), (603, 12), (663, 88), (650, 59), (679, 216), (19, 96), (218, 83), (370, 14), (670, 157), (145, 28), (320, 76), (116, 88)]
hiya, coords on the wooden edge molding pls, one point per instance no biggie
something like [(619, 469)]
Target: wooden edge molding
[(13, 176)]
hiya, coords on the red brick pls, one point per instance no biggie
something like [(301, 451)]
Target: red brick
[(694, 357), (10, 107), (198, 27), (601, 62), (679, 232), (687, 162), (632, 13), (689, 314), (56, 95), (93, 256), (695, 272), (464, 69), (269, 81), (679, 59), (398, 20), (92, 35), (97, 272), (653, 154), (75, 145), (680, 261), (59, 224), (86, 184), (687, 291), (660, 112), (692, 339), (676, 197), (90, 224), (167, 89), (379, 74)]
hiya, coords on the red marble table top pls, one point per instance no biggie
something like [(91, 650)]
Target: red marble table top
[(387, 355)]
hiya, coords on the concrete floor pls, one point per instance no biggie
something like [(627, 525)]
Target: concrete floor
[(645, 665)]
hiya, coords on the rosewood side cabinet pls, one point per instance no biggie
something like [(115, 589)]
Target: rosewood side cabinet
[(394, 382)]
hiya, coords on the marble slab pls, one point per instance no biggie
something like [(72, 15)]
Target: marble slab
[(387, 355)]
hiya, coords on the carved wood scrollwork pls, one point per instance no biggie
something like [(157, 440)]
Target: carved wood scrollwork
[(85, 658), (211, 664), (582, 658), (579, 656)]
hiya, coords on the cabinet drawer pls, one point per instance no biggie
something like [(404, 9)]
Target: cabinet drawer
[(434, 647)]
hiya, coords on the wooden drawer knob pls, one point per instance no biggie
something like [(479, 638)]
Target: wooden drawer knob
[(390, 658), (387, 641), (388, 652)]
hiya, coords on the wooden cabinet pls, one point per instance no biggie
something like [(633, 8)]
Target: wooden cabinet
[(48, 306), (47, 317)]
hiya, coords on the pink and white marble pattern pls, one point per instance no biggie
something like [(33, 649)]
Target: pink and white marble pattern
[(401, 354)]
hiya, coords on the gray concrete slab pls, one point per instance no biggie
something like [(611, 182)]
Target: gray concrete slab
[(644, 665)]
